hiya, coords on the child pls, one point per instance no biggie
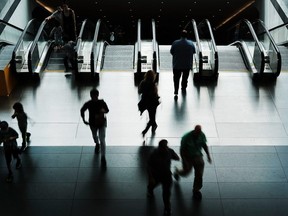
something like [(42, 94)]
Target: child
[(57, 32), (22, 117), (8, 136)]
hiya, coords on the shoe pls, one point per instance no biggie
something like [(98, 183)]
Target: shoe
[(97, 148), (176, 97), (9, 178), (23, 148), (18, 164), (28, 135), (143, 133), (197, 195)]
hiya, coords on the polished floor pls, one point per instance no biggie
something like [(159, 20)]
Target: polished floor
[(246, 125)]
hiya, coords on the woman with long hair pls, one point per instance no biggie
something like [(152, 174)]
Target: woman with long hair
[(149, 99)]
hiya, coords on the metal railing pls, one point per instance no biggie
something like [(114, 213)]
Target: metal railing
[(155, 58), (272, 53), (22, 47), (39, 46)]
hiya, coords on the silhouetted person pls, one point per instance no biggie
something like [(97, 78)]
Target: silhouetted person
[(182, 51), (97, 121), (149, 99), (66, 17), (57, 34), (8, 137), (159, 165), (192, 157), (22, 120), (69, 58)]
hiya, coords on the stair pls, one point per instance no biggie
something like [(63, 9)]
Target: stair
[(230, 59), (118, 58), (55, 63), (284, 56), (165, 58)]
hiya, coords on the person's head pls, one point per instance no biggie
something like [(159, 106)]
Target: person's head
[(4, 125), (94, 93), (197, 130), (184, 34), (163, 145), (150, 75), (64, 5), (18, 107)]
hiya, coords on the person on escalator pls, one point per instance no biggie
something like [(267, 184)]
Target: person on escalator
[(66, 17), (69, 59), (56, 34)]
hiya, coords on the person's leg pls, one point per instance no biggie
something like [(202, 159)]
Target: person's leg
[(186, 167), (152, 183), (102, 136), (198, 164), (24, 137), (16, 156), (176, 79), (94, 131), (66, 63), (152, 118), (8, 158), (166, 194), (185, 79)]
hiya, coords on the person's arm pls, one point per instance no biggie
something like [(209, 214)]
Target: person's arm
[(174, 155), (206, 149), (74, 23), (82, 112), (14, 115), (105, 108), (12, 136)]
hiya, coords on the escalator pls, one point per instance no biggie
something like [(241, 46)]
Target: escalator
[(32, 51), (205, 64), (251, 51), (280, 36), (21, 50), (9, 35), (147, 51), (95, 52)]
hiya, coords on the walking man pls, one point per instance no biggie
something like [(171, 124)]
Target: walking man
[(97, 121), (159, 164), (192, 157), (182, 51)]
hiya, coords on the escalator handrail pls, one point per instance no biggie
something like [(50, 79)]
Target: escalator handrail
[(254, 35), (155, 50), (79, 39), (39, 32), (279, 26), (33, 46), (94, 44), (11, 25), (22, 35), (139, 46), (214, 46), (211, 35), (275, 47), (194, 25)]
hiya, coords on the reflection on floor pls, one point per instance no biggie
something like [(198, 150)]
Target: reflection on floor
[(246, 126)]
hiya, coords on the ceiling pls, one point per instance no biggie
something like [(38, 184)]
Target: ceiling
[(166, 13), (131, 10)]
